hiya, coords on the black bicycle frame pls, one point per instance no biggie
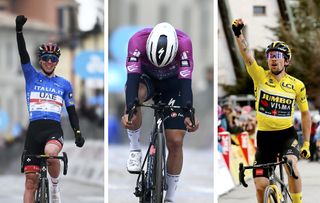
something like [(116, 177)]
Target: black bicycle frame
[(42, 194), (158, 130), (273, 178)]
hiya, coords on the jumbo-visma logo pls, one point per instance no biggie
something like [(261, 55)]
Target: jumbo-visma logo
[(89, 64), (275, 105)]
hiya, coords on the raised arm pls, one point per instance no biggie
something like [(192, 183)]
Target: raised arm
[(237, 26), (24, 56)]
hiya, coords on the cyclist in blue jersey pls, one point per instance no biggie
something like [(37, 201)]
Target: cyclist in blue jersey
[(159, 66), (46, 93)]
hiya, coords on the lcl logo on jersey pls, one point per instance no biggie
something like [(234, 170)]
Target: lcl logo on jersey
[(287, 85)]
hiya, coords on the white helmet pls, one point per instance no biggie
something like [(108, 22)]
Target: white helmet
[(162, 45)]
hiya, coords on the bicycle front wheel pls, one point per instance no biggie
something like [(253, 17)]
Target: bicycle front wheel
[(43, 192), (270, 195), (157, 195)]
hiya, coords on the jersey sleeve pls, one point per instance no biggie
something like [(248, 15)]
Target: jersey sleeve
[(28, 71), (185, 59), (68, 95), (185, 70), (301, 97), (133, 66), (133, 63), (256, 72)]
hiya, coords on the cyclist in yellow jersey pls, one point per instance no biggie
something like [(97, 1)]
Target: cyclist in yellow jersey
[(276, 93)]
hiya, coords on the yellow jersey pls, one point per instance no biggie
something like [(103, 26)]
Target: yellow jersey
[(275, 99)]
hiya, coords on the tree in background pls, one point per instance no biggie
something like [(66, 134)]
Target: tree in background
[(305, 46)]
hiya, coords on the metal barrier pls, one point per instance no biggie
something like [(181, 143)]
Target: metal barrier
[(86, 164)]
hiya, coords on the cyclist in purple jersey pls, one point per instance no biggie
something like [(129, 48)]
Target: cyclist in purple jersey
[(159, 66), (46, 94)]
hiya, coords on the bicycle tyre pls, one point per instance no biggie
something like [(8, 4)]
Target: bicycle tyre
[(270, 195), (157, 195), (43, 192)]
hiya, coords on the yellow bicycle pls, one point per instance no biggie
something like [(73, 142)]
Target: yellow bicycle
[(272, 193)]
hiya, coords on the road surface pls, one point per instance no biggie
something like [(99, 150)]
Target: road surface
[(195, 185), (71, 191)]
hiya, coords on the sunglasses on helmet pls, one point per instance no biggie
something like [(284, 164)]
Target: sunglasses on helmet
[(47, 57), (275, 54)]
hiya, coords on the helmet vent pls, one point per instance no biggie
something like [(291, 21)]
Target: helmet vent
[(161, 49)]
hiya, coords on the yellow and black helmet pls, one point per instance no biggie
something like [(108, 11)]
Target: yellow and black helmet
[(280, 46)]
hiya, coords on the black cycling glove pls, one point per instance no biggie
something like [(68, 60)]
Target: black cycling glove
[(20, 21), (237, 28), (79, 139)]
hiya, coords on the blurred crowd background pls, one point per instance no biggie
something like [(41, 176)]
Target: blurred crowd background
[(191, 16), (77, 26)]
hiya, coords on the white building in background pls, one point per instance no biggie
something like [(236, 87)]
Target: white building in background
[(42, 26), (195, 17), (226, 74), (12, 83), (258, 15)]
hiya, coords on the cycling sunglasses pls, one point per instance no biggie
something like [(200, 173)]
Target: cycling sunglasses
[(275, 54), (47, 57)]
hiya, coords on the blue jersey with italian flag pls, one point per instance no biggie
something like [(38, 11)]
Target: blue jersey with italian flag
[(46, 95)]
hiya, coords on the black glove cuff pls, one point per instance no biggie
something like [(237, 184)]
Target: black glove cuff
[(237, 30), (187, 113)]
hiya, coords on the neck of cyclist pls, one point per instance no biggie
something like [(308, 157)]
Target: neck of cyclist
[(279, 73)]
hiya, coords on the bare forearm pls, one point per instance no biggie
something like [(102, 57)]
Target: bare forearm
[(306, 125), (244, 50)]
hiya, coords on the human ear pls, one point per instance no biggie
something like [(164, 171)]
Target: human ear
[(286, 62)]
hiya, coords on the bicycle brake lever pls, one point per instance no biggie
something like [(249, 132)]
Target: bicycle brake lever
[(133, 110), (191, 111), (289, 164), (242, 175)]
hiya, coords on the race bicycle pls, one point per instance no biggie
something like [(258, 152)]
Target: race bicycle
[(151, 182), (272, 193), (42, 193)]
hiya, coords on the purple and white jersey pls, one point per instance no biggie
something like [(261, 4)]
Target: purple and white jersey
[(138, 62)]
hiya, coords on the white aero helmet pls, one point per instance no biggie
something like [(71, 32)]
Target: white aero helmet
[(162, 45)]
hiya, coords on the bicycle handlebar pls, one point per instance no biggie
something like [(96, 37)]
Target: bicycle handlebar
[(285, 160), (160, 106), (64, 158)]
